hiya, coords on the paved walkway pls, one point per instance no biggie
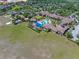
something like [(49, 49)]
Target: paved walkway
[(4, 20)]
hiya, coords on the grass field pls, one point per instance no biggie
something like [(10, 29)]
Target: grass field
[(36, 45)]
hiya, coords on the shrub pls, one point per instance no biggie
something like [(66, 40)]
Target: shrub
[(16, 8), (68, 35)]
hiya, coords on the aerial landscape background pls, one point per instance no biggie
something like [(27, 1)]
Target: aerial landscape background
[(21, 42)]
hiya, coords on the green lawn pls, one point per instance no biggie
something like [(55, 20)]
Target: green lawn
[(54, 46)]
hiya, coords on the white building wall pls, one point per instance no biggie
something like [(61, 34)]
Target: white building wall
[(11, 0), (15, 0)]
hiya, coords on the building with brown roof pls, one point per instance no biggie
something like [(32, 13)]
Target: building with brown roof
[(11, 0), (63, 26)]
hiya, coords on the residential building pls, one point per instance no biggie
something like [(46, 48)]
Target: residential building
[(9, 1)]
